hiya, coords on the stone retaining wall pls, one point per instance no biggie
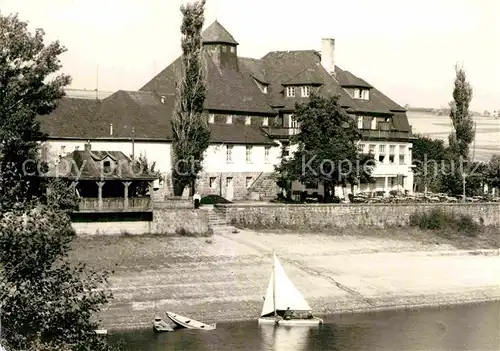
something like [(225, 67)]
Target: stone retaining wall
[(164, 221), (346, 215)]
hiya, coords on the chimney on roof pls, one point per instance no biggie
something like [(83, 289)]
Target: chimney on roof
[(328, 55), (111, 129), (88, 147)]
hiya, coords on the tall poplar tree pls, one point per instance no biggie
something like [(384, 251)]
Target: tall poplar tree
[(191, 132), (459, 140), (463, 126)]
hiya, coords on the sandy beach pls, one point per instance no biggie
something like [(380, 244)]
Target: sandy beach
[(224, 278)]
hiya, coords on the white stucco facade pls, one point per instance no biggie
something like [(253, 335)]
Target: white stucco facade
[(393, 168), (241, 158), (225, 158), (158, 152)]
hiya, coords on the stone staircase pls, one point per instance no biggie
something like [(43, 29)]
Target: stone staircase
[(263, 188), (166, 189), (218, 222)]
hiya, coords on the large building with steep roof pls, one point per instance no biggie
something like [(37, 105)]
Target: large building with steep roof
[(250, 103)]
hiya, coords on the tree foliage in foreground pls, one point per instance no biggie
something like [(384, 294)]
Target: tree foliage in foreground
[(46, 303), (326, 147), (429, 156), (44, 297), (26, 91), (493, 171), (191, 132)]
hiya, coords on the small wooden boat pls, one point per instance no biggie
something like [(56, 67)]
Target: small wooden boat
[(282, 295), (160, 326), (185, 322)]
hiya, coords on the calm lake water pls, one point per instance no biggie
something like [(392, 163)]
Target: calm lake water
[(468, 327)]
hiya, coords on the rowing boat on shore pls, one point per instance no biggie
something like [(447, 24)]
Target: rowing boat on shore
[(189, 323)]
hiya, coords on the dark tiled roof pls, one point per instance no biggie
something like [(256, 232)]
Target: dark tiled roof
[(308, 76), (347, 79), (125, 110), (88, 165), (216, 33), (254, 67), (239, 134), (282, 66), (90, 119), (227, 89), (231, 90), (64, 120)]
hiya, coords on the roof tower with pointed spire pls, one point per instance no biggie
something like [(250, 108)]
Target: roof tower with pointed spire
[(217, 34)]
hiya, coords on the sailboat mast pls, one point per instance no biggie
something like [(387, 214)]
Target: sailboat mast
[(274, 284)]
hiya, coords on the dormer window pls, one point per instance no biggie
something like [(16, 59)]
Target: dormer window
[(211, 118), (107, 164), (361, 93), (229, 119), (305, 91), (290, 91)]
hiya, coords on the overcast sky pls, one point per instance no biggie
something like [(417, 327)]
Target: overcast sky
[(407, 49)]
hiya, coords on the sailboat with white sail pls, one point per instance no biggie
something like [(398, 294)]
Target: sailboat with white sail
[(282, 295)]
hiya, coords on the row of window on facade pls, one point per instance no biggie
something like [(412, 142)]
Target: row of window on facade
[(213, 183), (229, 119), (305, 91), (382, 156), (373, 123), (230, 48), (248, 154)]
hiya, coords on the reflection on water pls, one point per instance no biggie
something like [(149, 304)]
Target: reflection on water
[(473, 327), (284, 338)]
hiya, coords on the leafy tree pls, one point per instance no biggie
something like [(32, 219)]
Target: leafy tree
[(327, 152), (46, 303), (463, 126), (25, 92), (428, 156), (191, 132), (61, 195), (461, 137), (142, 164), (493, 171), (44, 298)]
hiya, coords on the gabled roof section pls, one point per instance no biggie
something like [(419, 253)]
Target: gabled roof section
[(308, 76), (239, 134), (86, 165), (254, 67), (282, 66), (132, 114), (227, 89), (64, 120), (99, 156), (151, 120), (217, 34), (347, 79)]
